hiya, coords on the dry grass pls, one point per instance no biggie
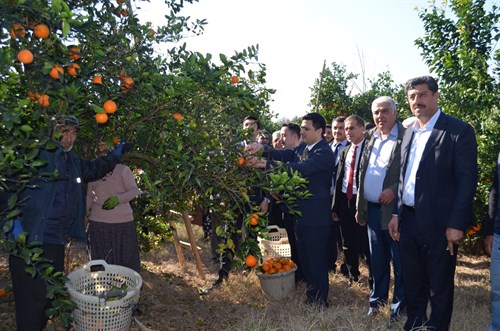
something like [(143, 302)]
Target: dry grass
[(173, 299)]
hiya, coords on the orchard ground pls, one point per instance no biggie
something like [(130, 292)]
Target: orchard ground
[(173, 299)]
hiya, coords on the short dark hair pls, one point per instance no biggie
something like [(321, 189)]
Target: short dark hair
[(328, 126), (339, 119), (295, 128), (369, 125), (318, 121), (253, 118), (359, 121), (429, 80)]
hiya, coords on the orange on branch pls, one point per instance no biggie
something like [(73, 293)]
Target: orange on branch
[(127, 82), (17, 30), (25, 56), (3, 292), (254, 221), (73, 69), (56, 71), (97, 80), (116, 140), (177, 116), (250, 261), (241, 161), (109, 106), (41, 31), (101, 118), (43, 100), (235, 79), (33, 95), (74, 53)]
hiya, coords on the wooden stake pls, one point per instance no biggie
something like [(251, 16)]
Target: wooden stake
[(177, 245), (192, 240)]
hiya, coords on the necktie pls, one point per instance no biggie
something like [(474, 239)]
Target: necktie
[(336, 152), (350, 181), (304, 154)]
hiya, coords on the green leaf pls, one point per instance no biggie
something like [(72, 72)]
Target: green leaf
[(11, 202), (26, 128), (65, 28)]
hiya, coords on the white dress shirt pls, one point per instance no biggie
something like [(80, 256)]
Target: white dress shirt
[(347, 166), (420, 138), (378, 163)]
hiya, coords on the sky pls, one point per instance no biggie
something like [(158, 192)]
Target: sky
[(295, 37)]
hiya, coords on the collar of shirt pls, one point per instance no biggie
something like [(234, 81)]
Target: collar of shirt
[(429, 125), (393, 134), (309, 147)]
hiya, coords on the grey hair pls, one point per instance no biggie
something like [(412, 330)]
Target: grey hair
[(385, 99)]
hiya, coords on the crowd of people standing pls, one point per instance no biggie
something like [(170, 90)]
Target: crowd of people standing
[(390, 194)]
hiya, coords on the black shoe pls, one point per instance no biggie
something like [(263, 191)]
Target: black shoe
[(218, 282)]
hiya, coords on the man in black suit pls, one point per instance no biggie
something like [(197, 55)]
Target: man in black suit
[(314, 159), (436, 188), (344, 198)]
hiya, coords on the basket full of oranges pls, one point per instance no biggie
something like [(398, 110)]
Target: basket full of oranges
[(277, 277)]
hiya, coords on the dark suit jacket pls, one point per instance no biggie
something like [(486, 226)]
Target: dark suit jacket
[(391, 178), (317, 169), (340, 173), (446, 178)]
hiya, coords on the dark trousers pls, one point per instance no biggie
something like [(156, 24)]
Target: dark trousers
[(289, 223), (382, 250), (311, 248), (350, 233), (428, 271), (30, 293)]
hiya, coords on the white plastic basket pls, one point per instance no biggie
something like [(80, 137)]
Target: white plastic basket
[(277, 246), (276, 233), (271, 248), (94, 313)]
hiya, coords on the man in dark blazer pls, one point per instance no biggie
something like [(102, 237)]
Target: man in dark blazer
[(380, 166), (436, 189), (314, 159), (354, 237)]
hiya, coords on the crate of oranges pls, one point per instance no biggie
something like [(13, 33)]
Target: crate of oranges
[(277, 278)]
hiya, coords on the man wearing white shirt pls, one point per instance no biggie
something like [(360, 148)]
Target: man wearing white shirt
[(436, 189), (379, 176)]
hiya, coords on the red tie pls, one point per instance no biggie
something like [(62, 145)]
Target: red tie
[(350, 181)]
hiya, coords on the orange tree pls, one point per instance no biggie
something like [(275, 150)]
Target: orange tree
[(182, 112)]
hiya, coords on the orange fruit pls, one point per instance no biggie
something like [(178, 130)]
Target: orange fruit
[(3, 292), (43, 100), (250, 261), (3, 270), (74, 53), (33, 95), (41, 31), (177, 116), (72, 69), (254, 221), (25, 56), (235, 79), (151, 32), (97, 80), (56, 71), (101, 118), (116, 140), (240, 160), (127, 82), (119, 2), (17, 30), (109, 106), (266, 267), (122, 73)]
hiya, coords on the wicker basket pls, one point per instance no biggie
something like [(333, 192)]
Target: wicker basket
[(277, 286), (94, 313)]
